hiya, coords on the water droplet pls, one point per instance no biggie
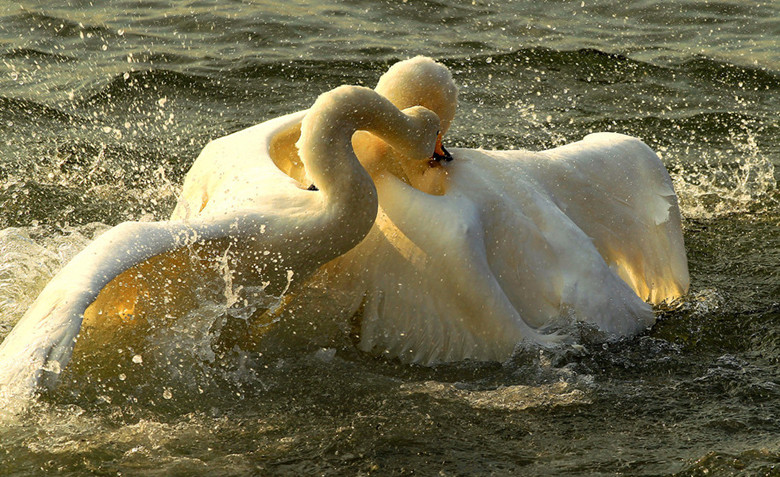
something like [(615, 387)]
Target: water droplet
[(53, 367), (138, 359), (167, 394)]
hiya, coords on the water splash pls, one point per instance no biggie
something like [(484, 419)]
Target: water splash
[(513, 397), (700, 303), (736, 180), (31, 256)]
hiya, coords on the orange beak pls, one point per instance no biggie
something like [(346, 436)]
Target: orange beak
[(439, 153)]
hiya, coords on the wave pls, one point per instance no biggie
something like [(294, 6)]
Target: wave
[(745, 77), (55, 25), (246, 75), (603, 63), (543, 56), (16, 109), (715, 124), (37, 55), (323, 70), (258, 66), (130, 85)]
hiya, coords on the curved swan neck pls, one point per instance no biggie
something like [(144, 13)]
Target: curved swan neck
[(326, 151)]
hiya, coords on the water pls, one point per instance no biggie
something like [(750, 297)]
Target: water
[(103, 108)]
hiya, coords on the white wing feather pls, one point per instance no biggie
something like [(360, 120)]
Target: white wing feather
[(518, 241), (41, 343), (619, 193)]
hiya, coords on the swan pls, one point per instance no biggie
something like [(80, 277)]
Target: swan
[(468, 258), (465, 259), (236, 204)]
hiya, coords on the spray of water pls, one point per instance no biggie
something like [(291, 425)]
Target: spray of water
[(737, 180)]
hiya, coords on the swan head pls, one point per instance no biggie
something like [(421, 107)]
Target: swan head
[(420, 81), (423, 145), (418, 143), (339, 119)]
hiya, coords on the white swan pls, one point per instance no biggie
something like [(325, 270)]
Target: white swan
[(491, 247), (273, 229), (470, 257)]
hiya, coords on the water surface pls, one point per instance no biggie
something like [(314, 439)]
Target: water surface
[(104, 106)]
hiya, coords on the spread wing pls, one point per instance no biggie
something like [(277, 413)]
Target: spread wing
[(223, 195), (617, 191), (41, 343), (238, 170), (473, 272), (429, 291)]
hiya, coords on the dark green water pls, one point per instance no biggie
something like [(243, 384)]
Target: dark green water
[(104, 107)]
